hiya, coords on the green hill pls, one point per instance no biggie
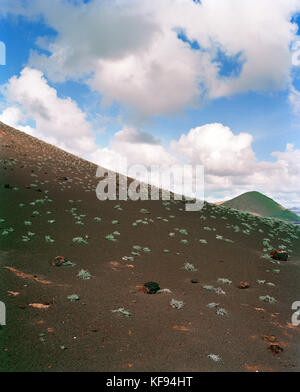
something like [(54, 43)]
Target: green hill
[(257, 203)]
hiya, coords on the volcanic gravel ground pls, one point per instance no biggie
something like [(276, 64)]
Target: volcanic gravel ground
[(48, 198)]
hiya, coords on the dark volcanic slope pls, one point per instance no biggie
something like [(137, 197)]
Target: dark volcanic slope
[(47, 331), (257, 203)]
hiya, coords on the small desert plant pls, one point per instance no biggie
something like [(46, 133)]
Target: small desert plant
[(213, 305), (122, 311), (110, 237), (79, 240), (224, 281), (83, 274), (208, 287), (221, 312), (183, 231), (128, 258), (164, 291), (266, 256), (215, 357), (73, 297), (68, 263), (219, 291), (135, 253), (176, 304), (49, 239), (189, 267), (8, 231), (267, 298)]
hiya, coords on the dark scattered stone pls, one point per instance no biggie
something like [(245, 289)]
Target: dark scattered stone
[(243, 285), (280, 255), (58, 261), (269, 338), (62, 178), (275, 348), (51, 302), (151, 287)]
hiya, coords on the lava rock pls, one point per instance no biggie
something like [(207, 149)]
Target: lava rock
[(58, 261), (275, 348), (243, 285), (280, 255), (151, 287)]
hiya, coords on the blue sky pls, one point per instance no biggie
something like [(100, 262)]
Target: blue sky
[(211, 71)]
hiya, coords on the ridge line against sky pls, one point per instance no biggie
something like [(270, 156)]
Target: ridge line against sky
[(162, 82)]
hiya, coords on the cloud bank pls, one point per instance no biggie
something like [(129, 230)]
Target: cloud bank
[(228, 158), (130, 51), (155, 58)]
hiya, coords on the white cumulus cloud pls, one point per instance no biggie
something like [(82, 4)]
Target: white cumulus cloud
[(59, 119), (218, 149), (129, 51)]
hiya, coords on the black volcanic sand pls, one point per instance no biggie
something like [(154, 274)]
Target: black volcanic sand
[(85, 335)]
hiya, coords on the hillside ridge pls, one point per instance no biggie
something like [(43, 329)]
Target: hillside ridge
[(257, 203)]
